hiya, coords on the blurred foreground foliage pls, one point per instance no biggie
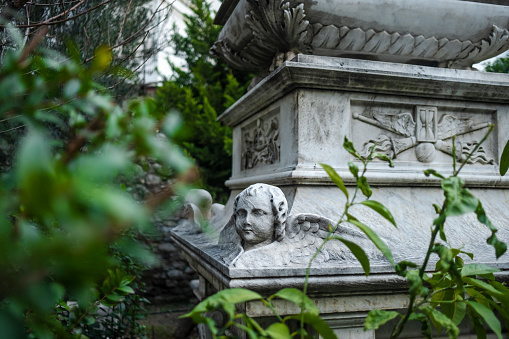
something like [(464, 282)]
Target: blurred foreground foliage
[(68, 251)]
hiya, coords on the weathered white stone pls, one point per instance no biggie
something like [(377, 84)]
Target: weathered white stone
[(263, 34), (408, 112)]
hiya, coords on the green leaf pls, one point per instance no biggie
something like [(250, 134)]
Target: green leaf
[(125, 289), (500, 246), (380, 209), (353, 169), (278, 331), (425, 324), (488, 316), (298, 297), (358, 252), (486, 287), (377, 318), (479, 329), (504, 160), (429, 172), (373, 237), (384, 157), (401, 267), (335, 178), (348, 146), (458, 200), (316, 322), (440, 320), (363, 184), (477, 269)]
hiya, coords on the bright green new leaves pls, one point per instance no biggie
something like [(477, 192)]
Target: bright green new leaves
[(377, 318), (358, 252), (380, 209), (373, 237), (488, 316), (335, 178), (504, 160), (348, 146)]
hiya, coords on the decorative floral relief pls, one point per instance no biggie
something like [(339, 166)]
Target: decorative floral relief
[(280, 32), (261, 144), (426, 133)]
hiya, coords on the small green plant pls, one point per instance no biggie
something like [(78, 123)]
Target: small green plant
[(441, 299)]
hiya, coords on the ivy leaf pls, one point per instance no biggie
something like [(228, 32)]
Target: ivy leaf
[(358, 252), (373, 237), (377, 318), (488, 316), (380, 209), (335, 178)]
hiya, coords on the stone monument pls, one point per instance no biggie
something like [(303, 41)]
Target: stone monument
[(391, 74)]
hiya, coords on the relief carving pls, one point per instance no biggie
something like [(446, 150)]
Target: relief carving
[(261, 144), (260, 233), (426, 133), (279, 32)]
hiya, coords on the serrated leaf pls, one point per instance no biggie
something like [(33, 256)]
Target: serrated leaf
[(488, 316), (380, 209), (335, 178), (377, 318), (298, 297), (278, 331), (373, 237), (358, 252)]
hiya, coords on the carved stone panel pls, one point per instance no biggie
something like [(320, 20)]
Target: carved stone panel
[(425, 129), (261, 142)]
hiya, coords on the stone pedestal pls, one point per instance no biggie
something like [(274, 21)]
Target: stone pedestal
[(297, 118)]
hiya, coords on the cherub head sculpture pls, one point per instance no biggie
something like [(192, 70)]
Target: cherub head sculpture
[(260, 213)]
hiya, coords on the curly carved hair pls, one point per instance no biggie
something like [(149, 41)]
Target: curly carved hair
[(277, 200)]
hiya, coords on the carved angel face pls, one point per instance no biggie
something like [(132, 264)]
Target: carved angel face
[(254, 221)]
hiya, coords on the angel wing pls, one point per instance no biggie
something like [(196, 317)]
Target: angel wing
[(306, 232), (402, 123), (450, 125)]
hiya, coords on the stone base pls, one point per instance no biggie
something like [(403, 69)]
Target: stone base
[(298, 117)]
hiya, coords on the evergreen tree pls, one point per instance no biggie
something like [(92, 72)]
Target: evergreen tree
[(499, 66), (201, 90)]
